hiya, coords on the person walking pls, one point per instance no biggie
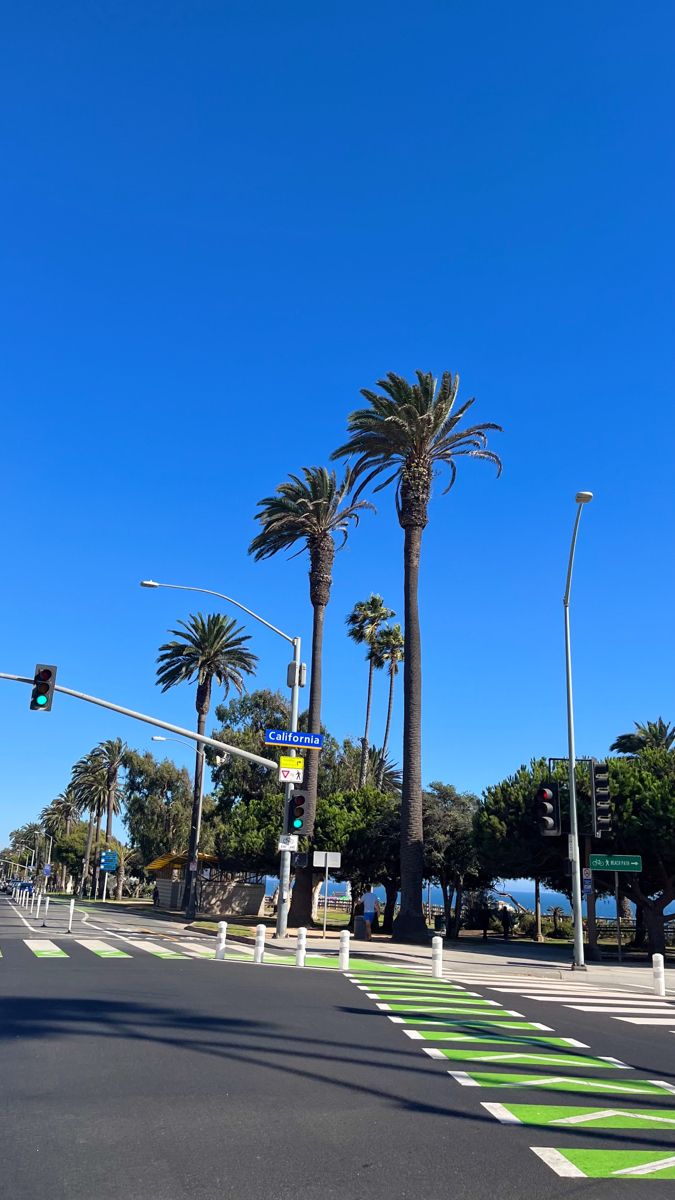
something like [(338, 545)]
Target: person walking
[(371, 908), (505, 918), (485, 921)]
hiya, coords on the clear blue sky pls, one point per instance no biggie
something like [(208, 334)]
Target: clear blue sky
[(220, 220)]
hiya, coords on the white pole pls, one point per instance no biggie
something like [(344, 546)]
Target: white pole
[(659, 975), (44, 919), (325, 899), (437, 957), (301, 948), (32, 903), (221, 940), (39, 902), (343, 957), (259, 948), (70, 916), (105, 884)]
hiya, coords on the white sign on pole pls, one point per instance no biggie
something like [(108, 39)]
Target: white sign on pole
[(327, 858), (288, 841), (291, 769)]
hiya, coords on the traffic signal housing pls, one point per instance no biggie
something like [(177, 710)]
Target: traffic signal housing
[(547, 809), (297, 813), (601, 800), (44, 681)]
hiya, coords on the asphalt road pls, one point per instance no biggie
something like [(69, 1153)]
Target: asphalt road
[(158, 1080)]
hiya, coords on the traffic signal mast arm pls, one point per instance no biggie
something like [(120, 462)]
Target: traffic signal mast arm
[(137, 716)]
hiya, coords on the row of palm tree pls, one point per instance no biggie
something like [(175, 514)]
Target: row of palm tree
[(366, 625)]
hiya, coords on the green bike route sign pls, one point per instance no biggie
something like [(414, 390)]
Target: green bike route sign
[(615, 862)]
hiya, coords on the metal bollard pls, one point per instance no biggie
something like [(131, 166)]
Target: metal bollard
[(437, 957), (659, 975), (32, 903), (44, 919), (70, 916), (221, 940), (259, 948), (301, 948), (343, 954), (37, 907)]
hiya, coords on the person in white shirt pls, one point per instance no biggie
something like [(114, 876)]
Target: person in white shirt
[(371, 906)]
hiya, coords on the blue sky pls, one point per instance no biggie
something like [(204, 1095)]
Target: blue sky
[(220, 220)]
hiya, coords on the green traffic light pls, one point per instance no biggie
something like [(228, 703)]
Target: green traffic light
[(41, 700), (297, 824)]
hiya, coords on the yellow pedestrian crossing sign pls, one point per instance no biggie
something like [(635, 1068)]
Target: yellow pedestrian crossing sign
[(291, 769)]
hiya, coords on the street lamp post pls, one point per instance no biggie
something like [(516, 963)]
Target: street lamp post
[(581, 498), (293, 679)]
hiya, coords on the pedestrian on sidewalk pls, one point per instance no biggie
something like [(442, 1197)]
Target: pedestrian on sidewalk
[(371, 908), (505, 918), (485, 921)]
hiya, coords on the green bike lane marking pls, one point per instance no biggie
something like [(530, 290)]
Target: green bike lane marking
[(466, 1021), (434, 1004), (423, 1010), (42, 948), (608, 1164), (573, 1117), (101, 949), (519, 1040), (565, 1083), (525, 1058)]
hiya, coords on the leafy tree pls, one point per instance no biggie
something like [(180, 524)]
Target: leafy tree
[(243, 722), (389, 650), (204, 649), (309, 512), (364, 623), (653, 735), (157, 806), (450, 853), (407, 431), (70, 851)]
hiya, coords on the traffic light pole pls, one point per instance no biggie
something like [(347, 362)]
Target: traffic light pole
[(579, 961), (285, 864)]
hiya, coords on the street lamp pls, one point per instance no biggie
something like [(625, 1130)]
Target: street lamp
[(23, 846), (581, 498), (295, 680)]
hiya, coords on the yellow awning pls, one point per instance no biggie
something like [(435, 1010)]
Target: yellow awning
[(178, 860)]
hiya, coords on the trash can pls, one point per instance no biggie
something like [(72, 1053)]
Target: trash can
[(439, 925), (361, 929)]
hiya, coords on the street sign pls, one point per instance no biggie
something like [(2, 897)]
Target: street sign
[(291, 769), (288, 841), (47, 869), (615, 862), (587, 881), (285, 737), (327, 858), (109, 860)]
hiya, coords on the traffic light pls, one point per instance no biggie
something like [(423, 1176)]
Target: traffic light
[(43, 688), (602, 807), (297, 813), (547, 809)]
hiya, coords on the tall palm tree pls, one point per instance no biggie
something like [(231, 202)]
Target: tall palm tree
[(90, 785), (205, 648), (364, 622), (408, 430), (653, 735), (388, 648), (58, 820), (309, 511), (111, 756)]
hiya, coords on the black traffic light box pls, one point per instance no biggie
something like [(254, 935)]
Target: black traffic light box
[(601, 800), (547, 809), (296, 813), (43, 687)]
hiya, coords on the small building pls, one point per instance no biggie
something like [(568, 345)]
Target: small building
[(220, 893)]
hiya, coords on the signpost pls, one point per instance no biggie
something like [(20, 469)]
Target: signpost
[(326, 858), (587, 881), (291, 770), (47, 870), (109, 862), (288, 737), (616, 863)]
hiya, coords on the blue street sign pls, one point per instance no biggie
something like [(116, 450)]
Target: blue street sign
[(109, 860), (284, 737), (47, 870)]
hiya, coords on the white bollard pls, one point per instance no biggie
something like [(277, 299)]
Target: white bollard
[(301, 948), (343, 954), (437, 957), (44, 919), (659, 975), (32, 903), (70, 916), (37, 907), (221, 940), (259, 948)]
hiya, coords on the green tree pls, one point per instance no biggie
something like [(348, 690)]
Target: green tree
[(204, 649), (389, 649), (364, 623), (157, 806), (408, 431), (450, 852), (653, 735), (90, 785), (309, 512)]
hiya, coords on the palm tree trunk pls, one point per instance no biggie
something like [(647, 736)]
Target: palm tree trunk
[(97, 839), (300, 912), (109, 814), (195, 822), (387, 727), (87, 853), (391, 892), (410, 922), (364, 740)]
